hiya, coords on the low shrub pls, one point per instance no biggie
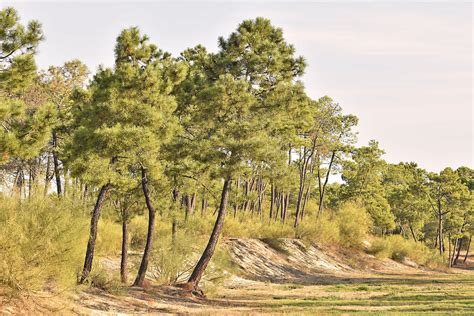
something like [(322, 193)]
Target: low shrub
[(103, 280), (354, 225), (41, 242), (109, 238), (399, 249)]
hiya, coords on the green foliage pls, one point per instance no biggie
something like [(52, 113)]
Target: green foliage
[(127, 115), (17, 47), (25, 123), (363, 182)]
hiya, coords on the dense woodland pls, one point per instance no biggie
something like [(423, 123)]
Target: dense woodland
[(195, 143)]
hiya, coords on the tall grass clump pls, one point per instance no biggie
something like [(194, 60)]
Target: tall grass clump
[(41, 243), (175, 254)]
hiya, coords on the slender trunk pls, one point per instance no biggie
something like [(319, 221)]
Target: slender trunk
[(449, 251), (187, 205), (323, 189), (174, 231), (300, 192), (93, 233), (280, 205), (286, 198), (272, 199), (236, 196), (300, 195), (174, 224), (203, 205), (57, 175), (193, 203), (66, 180), (248, 189), (86, 192), (47, 176), (30, 183), (124, 258), (412, 233), (440, 232), (198, 271), (320, 186), (467, 250), (455, 247), (151, 229), (305, 201), (260, 196), (56, 165), (456, 258)]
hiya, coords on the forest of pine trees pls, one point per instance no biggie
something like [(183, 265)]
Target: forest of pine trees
[(223, 136)]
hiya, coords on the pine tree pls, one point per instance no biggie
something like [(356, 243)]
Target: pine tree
[(123, 121)]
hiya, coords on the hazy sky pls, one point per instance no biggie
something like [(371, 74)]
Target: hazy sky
[(404, 68)]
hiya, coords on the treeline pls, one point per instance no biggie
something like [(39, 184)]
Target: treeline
[(231, 131)]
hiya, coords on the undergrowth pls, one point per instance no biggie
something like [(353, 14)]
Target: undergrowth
[(42, 242)]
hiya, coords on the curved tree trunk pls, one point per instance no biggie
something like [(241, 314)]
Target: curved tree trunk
[(305, 201), (151, 229), (326, 179), (198, 271), (456, 258), (412, 232), (93, 233)]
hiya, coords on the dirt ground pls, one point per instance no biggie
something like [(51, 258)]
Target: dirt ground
[(269, 288)]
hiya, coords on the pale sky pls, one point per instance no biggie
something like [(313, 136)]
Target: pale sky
[(404, 68)]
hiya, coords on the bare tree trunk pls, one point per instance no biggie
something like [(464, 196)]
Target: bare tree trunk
[(66, 180), (86, 192), (151, 229), (467, 250), (440, 232), (323, 189), (299, 198), (193, 202), (248, 190), (57, 175), (305, 201), (455, 261), (93, 233), (198, 271), (272, 199), (449, 251), (30, 180), (47, 177), (203, 205), (286, 198), (174, 231), (260, 198), (56, 164), (235, 195), (412, 232), (124, 258), (279, 206)]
